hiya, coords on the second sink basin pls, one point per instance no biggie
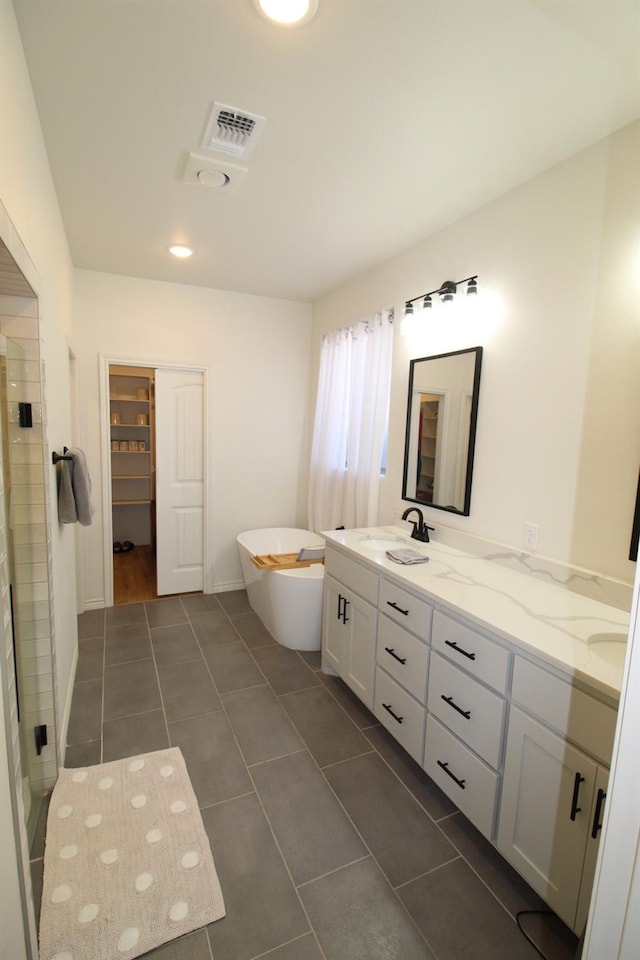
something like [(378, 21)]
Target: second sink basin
[(609, 647)]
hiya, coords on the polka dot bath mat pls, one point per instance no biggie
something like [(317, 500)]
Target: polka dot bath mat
[(127, 862)]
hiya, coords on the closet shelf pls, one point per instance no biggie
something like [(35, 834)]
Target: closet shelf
[(128, 503), (128, 399), (138, 426), (128, 453), (131, 476)]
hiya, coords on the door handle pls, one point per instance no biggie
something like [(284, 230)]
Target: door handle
[(395, 656), (597, 824), (445, 767), (392, 603), (395, 716), (454, 646), (575, 809), (465, 713)]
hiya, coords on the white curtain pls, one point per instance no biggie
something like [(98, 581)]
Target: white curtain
[(352, 412)]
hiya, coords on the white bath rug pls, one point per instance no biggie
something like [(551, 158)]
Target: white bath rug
[(127, 862)]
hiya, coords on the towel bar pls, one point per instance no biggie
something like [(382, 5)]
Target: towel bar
[(55, 457)]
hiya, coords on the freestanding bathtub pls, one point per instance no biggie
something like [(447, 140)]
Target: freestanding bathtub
[(289, 602)]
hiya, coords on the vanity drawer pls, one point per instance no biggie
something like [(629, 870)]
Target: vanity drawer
[(403, 716), (413, 614), (468, 649), (403, 656), (580, 718), (472, 712), (352, 574), (469, 782)]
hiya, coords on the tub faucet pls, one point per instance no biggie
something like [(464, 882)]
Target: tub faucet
[(420, 528)]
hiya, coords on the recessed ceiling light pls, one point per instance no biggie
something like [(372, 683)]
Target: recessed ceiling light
[(179, 251), (287, 12)]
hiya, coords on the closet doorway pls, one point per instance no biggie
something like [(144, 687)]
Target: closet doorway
[(157, 481)]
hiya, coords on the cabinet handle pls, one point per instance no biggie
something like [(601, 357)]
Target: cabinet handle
[(342, 608), (465, 713), (445, 767), (597, 825), (454, 645), (345, 618), (392, 603), (395, 716), (395, 656), (576, 790)]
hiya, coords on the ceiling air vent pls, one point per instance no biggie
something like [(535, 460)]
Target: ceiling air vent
[(232, 131)]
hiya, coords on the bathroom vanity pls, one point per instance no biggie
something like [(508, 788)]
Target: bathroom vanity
[(503, 687)]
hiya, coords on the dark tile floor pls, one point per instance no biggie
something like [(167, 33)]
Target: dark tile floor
[(329, 841)]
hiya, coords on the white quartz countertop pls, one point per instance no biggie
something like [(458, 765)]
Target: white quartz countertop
[(584, 638)]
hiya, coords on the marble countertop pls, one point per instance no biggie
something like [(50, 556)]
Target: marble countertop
[(584, 638)]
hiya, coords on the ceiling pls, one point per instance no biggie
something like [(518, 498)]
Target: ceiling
[(385, 121)]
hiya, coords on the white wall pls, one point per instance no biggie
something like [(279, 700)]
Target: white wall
[(256, 352), (28, 195), (558, 438)]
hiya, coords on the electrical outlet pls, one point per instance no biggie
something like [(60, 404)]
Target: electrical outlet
[(531, 534)]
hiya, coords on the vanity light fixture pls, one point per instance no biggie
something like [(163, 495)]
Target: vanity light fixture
[(179, 251), (446, 291), (287, 13)]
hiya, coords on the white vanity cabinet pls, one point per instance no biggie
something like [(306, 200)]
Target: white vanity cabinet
[(507, 723), (468, 677), (402, 665), (349, 622), (554, 787)]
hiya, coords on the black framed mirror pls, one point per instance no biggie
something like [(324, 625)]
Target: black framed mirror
[(442, 412)]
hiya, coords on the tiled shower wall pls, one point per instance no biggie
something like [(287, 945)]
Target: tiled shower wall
[(28, 513)]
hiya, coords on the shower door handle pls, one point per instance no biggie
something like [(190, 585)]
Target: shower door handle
[(15, 653)]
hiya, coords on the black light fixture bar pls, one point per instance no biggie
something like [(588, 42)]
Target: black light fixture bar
[(447, 289)]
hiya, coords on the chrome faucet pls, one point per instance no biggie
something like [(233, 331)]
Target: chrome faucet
[(420, 528)]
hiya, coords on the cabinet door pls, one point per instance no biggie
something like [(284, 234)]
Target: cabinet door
[(545, 812), (349, 638), (360, 647), (334, 631)]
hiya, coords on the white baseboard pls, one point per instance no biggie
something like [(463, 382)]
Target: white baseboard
[(64, 720)]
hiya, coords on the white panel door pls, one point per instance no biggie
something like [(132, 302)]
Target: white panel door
[(179, 480)]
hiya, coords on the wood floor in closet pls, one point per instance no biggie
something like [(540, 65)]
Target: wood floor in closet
[(134, 575)]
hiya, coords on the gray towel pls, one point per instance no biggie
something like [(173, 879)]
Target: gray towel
[(74, 492), (67, 512)]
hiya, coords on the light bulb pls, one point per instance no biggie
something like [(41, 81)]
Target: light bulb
[(287, 12)]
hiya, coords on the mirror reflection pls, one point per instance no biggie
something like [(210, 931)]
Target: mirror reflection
[(442, 409)]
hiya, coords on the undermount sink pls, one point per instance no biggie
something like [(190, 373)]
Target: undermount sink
[(609, 647), (384, 543)]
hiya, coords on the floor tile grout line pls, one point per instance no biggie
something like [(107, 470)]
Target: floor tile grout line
[(272, 950), (428, 873)]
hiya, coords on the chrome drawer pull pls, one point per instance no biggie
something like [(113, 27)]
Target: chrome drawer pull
[(395, 716), (465, 713), (575, 809), (395, 656), (454, 645), (597, 825), (445, 767), (392, 603)]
